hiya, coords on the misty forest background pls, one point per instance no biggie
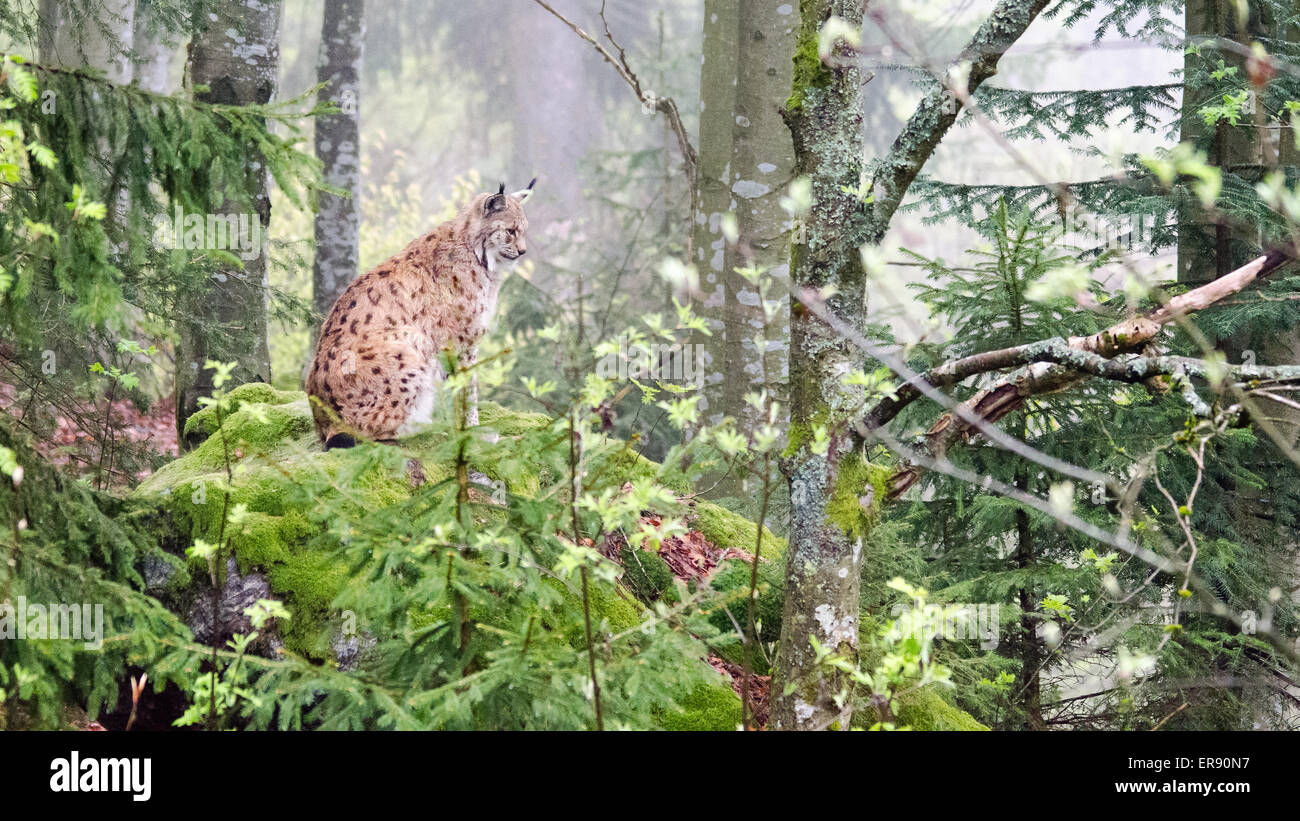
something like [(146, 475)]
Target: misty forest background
[(991, 306)]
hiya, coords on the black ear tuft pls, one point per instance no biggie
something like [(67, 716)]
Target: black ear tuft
[(502, 189), (532, 183)]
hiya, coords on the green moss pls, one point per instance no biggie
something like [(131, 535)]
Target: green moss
[(920, 709), (726, 529), (311, 580), (926, 709), (708, 707), (613, 609), (204, 422), (856, 481), (261, 541), (508, 422), (616, 608), (270, 439), (647, 575), (635, 466), (809, 71)]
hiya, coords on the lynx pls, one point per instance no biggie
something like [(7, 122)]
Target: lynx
[(377, 365)]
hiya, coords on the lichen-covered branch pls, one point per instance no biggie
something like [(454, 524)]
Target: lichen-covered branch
[(1123, 337), (939, 109)]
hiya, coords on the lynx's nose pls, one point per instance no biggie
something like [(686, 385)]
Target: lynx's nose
[(521, 248)]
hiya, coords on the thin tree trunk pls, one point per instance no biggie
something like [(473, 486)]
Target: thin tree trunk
[(762, 165), (822, 563), (237, 58), (719, 70), (1031, 654), (338, 146)]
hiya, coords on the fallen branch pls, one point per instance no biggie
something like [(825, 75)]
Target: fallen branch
[(1053, 367)]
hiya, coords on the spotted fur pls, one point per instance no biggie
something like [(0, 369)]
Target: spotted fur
[(377, 367)]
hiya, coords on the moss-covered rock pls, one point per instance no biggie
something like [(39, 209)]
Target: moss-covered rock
[(647, 575), (712, 707), (727, 529), (270, 441), (926, 709), (267, 438)]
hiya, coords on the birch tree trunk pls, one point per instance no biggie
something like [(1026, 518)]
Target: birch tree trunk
[(156, 52), (237, 57), (746, 159), (338, 147), (72, 38)]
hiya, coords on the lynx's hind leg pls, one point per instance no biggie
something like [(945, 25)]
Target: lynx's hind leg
[(420, 412), (380, 382)]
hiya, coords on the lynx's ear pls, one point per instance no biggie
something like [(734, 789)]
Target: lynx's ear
[(495, 202), (523, 195)]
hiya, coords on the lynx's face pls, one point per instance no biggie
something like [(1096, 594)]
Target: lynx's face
[(498, 228)]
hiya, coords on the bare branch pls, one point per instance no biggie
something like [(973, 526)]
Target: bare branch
[(664, 105)]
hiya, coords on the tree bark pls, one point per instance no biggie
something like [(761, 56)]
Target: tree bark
[(762, 165), (338, 147), (156, 52), (719, 73), (71, 38), (824, 114), (1031, 649), (822, 564), (746, 161), (237, 57)]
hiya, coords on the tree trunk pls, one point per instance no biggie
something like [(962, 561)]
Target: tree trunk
[(156, 52), (746, 161), (338, 147), (1207, 251), (824, 114), (762, 165), (719, 72), (822, 563), (237, 58), (1031, 649), (71, 38)]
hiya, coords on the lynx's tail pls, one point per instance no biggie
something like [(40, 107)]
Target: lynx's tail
[(339, 439)]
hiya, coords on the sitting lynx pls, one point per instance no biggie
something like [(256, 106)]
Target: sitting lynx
[(376, 368)]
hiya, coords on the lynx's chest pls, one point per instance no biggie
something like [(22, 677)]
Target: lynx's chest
[(462, 308)]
